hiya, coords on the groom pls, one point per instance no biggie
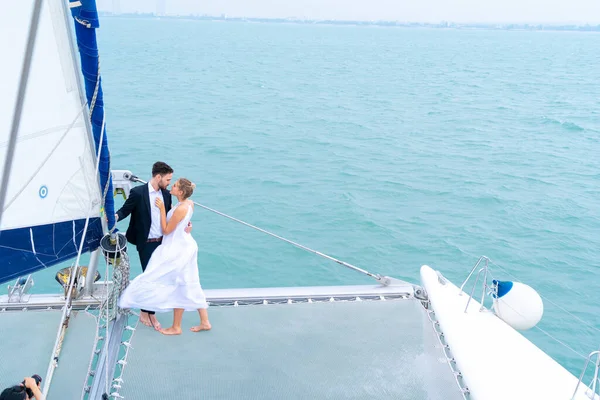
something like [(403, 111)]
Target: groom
[(144, 229)]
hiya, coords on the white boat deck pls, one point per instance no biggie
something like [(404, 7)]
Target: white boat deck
[(340, 342), (345, 349), (27, 341)]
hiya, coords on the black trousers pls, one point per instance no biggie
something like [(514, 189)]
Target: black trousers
[(145, 253)]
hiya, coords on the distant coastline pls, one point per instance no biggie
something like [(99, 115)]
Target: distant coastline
[(441, 25)]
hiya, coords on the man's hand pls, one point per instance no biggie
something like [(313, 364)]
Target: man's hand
[(116, 218), (188, 228), (31, 384)]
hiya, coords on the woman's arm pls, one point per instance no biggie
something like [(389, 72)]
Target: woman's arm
[(177, 216)]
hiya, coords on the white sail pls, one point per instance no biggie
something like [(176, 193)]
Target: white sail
[(52, 183)]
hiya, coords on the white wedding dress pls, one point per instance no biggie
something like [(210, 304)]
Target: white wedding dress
[(171, 278)]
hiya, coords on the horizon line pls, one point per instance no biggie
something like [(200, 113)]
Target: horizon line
[(448, 23)]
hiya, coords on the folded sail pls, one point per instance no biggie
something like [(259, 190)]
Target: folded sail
[(85, 15), (53, 185)]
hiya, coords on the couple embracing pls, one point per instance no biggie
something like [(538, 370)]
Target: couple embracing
[(168, 252)]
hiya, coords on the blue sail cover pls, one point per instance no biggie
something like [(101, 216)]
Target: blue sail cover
[(86, 22), (26, 250)]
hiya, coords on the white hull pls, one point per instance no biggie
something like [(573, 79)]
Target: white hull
[(496, 361)]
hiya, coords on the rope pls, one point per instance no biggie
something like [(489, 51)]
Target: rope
[(95, 95), (120, 283), (66, 313), (67, 307), (377, 277), (92, 106), (560, 342), (345, 264)]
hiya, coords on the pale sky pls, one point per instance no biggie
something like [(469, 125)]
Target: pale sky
[(487, 11)]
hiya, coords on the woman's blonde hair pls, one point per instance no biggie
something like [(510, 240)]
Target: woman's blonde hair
[(186, 186)]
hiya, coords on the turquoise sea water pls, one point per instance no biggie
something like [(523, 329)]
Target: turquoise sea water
[(388, 148)]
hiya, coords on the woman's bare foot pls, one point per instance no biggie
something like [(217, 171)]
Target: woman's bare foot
[(171, 331), (144, 319), (202, 327), (154, 322)]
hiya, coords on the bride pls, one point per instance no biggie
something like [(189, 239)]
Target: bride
[(171, 280)]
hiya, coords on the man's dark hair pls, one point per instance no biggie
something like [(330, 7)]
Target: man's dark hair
[(161, 168), (16, 392)]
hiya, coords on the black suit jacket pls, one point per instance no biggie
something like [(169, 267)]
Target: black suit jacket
[(138, 205)]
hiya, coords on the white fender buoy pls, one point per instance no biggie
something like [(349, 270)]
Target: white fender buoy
[(517, 304)]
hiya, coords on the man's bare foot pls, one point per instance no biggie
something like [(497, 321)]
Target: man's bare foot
[(171, 331), (154, 322), (144, 319), (205, 326)]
